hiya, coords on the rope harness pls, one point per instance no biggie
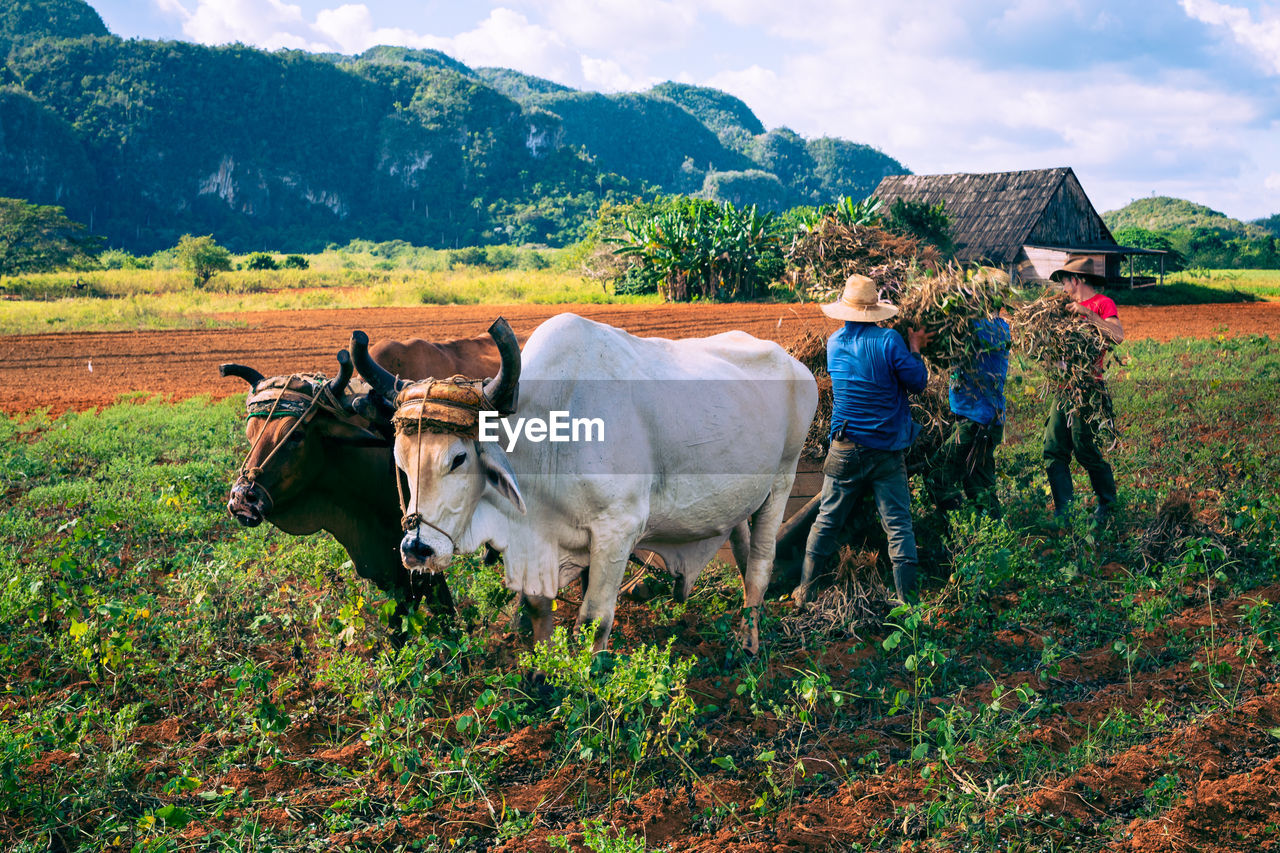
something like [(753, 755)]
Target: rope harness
[(443, 406), (297, 396)]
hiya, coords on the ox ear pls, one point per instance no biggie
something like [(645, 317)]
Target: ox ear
[(498, 474)]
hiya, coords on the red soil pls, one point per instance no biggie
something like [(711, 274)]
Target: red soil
[(52, 370)]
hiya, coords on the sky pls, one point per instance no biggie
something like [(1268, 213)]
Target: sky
[(1140, 97)]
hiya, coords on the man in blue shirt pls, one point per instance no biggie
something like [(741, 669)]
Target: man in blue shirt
[(872, 371), (967, 460)]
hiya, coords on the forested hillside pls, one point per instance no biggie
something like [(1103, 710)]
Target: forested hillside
[(144, 141), (1162, 213)]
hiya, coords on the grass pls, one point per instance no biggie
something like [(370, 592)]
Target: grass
[(108, 300), (1194, 287), (124, 299), (174, 682)]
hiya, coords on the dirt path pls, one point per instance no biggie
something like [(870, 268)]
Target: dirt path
[(53, 370)]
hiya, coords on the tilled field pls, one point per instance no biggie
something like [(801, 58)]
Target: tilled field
[(173, 682), (83, 370)]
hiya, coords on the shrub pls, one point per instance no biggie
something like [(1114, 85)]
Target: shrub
[(202, 257), (261, 261), (118, 259)]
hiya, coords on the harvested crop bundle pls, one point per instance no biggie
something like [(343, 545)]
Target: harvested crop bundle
[(1072, 352), (1175, 528), (930, 408), (946, 305), (824, 257)]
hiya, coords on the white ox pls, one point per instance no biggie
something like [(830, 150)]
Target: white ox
[(701, 439)]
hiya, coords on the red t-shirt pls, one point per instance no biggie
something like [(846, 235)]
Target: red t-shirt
[(1104, 307)]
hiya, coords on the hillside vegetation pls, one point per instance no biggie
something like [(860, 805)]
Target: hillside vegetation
[(1196, 235), (1163, 213), (144, 141)]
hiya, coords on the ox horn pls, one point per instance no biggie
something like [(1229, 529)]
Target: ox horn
[(504, 388), (248, 374), (338, 384), (379, 378)]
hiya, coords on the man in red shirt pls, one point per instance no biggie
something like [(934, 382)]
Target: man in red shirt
[(1066, 435)]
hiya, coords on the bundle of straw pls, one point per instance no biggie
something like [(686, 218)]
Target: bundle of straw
[(930, 408), (1173, 530), (811, 351), (947, 304), (1071, 351), (824, 256)]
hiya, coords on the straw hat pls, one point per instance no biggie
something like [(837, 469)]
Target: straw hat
[(860, 301), (1082, 267)]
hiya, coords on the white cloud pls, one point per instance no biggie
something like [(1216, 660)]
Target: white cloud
[(509, 39), (350, 28), (266, 23), (620, 26), (1261, 37), (505, 37), (173, 7), (605, 75), (1272, 181)]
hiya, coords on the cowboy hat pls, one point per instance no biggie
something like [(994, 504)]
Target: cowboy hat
[(860, 301), (1083, 267)]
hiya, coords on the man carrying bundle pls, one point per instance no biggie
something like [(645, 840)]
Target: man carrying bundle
[(872, 371), (967, 460), (1068, 433)]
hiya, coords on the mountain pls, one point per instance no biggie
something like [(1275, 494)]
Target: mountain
[(1163, 213), (147, 140), (26, 21), (721, 112)]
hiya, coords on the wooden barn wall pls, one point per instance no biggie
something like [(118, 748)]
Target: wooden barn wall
[(1069, 219), (1037, 264)]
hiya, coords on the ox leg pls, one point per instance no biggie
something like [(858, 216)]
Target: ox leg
[(542, 615), (740, 544), (759, 563), (608, 566)]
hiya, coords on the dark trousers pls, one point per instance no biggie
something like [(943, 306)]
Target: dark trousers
[(848, 471), (966, 464), (1066, 436)]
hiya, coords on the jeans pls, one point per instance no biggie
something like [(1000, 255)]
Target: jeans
[(850, 468)]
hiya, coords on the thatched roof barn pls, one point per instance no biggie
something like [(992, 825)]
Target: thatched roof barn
[(1029, 222)]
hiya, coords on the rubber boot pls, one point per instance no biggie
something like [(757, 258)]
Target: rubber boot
[(807, 570), (904, 582), (1104, 486), (1060, 486)]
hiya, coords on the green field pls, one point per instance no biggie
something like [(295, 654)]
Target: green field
[(155, 299), (173, 682), (1264, 284)]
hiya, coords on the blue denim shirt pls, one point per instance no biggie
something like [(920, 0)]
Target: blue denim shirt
[(872, 371), (979, 394)]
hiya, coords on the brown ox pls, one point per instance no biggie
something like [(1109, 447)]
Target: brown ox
[(317, 462)]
